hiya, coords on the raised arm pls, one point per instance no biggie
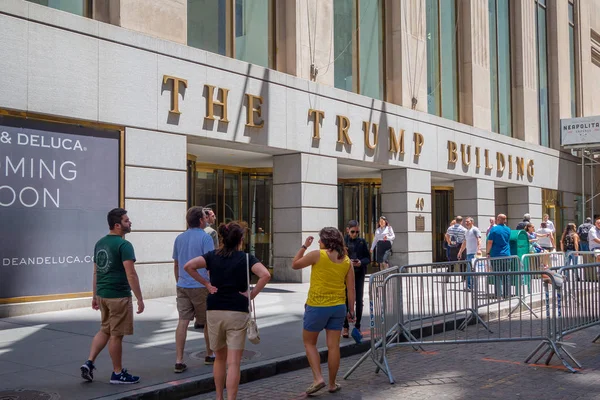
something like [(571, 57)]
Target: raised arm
[(302, 261)]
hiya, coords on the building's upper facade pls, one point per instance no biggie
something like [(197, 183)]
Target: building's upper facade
[(509, 67)]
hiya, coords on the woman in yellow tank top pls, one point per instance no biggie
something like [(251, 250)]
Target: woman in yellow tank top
[(326, 304)]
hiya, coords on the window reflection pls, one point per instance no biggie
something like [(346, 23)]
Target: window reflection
[(252, 31), (358, 53), (207, 25), (500, 66), (78, 7), (542, 62), (442, 61)]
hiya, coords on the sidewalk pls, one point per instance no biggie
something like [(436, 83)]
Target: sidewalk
[(43, 352)]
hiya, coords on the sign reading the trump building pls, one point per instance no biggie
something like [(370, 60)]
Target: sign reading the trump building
[(57, 183)]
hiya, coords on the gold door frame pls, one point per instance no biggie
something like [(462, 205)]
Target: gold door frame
[(434, 233)]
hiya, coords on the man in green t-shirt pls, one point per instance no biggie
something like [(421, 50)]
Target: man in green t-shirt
[(114, 279)]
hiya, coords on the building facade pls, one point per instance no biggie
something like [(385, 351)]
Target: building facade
[(291, 115)]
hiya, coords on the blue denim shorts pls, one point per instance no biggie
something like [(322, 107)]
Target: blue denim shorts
[(318, 318)]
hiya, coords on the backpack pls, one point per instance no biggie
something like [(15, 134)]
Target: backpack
[(583, 232)]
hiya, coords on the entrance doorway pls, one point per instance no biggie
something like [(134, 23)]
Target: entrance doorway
[(359, 200), (442, 214), (237, 194)]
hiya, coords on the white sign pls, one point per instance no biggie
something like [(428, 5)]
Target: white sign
[(580, 131)]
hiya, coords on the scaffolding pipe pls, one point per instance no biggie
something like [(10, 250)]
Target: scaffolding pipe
[(583, 202)]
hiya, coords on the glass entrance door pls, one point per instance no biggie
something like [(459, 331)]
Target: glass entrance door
[(238, 195), (443, 212), (360, 201)]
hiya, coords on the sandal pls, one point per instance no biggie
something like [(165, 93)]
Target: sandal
[(315, 388), (345, 334), (338, 387)]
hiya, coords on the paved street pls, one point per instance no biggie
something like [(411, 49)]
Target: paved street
[(483, 371)]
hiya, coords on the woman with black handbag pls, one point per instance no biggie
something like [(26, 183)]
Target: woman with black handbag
[(227, 304)]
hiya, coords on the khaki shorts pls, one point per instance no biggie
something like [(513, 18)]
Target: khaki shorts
[(117, 316), (227, 328), (191, 302)]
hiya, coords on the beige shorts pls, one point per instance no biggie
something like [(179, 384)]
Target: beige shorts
[(191, 302), (117, 315), (227, 328)]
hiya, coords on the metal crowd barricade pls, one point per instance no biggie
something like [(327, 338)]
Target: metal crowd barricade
[(583, 257), (581, 299), (429, 311), (536, 262), (431, 323), (377, 314), (418, 309)]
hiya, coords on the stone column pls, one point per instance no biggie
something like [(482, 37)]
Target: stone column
[(159, 18), (559, 68), (403, 191), (475, 198), (304, 201), (501, 201), (522, 200), (524, 64), (406, 49), (474, 39)]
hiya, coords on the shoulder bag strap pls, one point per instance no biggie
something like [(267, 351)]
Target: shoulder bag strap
[(251, 309)]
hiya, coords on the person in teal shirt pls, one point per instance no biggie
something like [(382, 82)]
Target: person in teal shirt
[(113, 280)]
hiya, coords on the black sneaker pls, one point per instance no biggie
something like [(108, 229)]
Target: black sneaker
[(124, 378), (87, 371), (179, 368), (209, 360)]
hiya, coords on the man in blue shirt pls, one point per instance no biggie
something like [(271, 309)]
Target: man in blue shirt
[(498, 245), (191, 294)]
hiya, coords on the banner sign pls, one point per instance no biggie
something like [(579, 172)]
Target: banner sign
[(579, 132), (57, 183)]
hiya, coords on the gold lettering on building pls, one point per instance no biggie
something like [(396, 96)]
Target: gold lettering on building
[(251, 109), (175, 91), (211, 103), (465, 154), (452, 152), (500, 162), (520, 161), (477, 158), (510, 167), (317, 115), (530, 170), (396, 145), (419, 141), (343, 126), (486, 157), (367, 129)]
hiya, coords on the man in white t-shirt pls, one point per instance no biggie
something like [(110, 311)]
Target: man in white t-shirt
[(594, 239), (549, 224), (545, 237), (472, 244)]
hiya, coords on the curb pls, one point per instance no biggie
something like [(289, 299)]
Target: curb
[(200, 384)]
